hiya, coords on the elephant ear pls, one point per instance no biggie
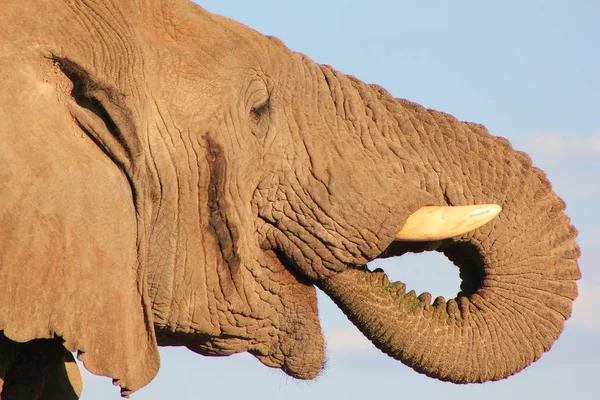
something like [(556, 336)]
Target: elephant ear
[(68, 238)]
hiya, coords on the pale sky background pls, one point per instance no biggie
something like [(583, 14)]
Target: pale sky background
[(529, 71)]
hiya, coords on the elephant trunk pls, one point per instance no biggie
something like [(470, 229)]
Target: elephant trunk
[(519, 272)]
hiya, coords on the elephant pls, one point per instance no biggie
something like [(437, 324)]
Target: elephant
[(170, 177)]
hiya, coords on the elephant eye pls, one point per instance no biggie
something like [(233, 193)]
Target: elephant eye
[(260, 118), (261, 110)]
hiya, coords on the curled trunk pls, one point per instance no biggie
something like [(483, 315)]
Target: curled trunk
[(518, 272)]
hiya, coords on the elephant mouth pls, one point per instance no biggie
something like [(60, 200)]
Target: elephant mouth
[(361, 293)]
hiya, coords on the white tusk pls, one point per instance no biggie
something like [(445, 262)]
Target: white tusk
[(437, 223)]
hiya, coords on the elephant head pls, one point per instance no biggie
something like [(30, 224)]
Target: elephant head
[(172, 177)]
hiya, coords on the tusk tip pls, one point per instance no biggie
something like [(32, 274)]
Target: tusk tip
[(485, 210)]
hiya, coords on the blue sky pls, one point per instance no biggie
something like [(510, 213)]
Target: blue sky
[(529, 71)]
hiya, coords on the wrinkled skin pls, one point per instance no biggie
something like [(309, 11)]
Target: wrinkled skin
[(172, 177)]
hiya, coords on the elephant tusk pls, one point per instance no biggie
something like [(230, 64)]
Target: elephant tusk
[(437, 223)]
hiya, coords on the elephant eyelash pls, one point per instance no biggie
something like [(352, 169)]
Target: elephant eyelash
[(260, 119), (260, 111)]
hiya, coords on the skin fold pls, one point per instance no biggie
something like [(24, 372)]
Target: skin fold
[(171, 177)]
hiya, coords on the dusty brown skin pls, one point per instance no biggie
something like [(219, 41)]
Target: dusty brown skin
[(171, 177)]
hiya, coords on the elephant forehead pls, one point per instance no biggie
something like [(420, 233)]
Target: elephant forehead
[(201, 42)]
